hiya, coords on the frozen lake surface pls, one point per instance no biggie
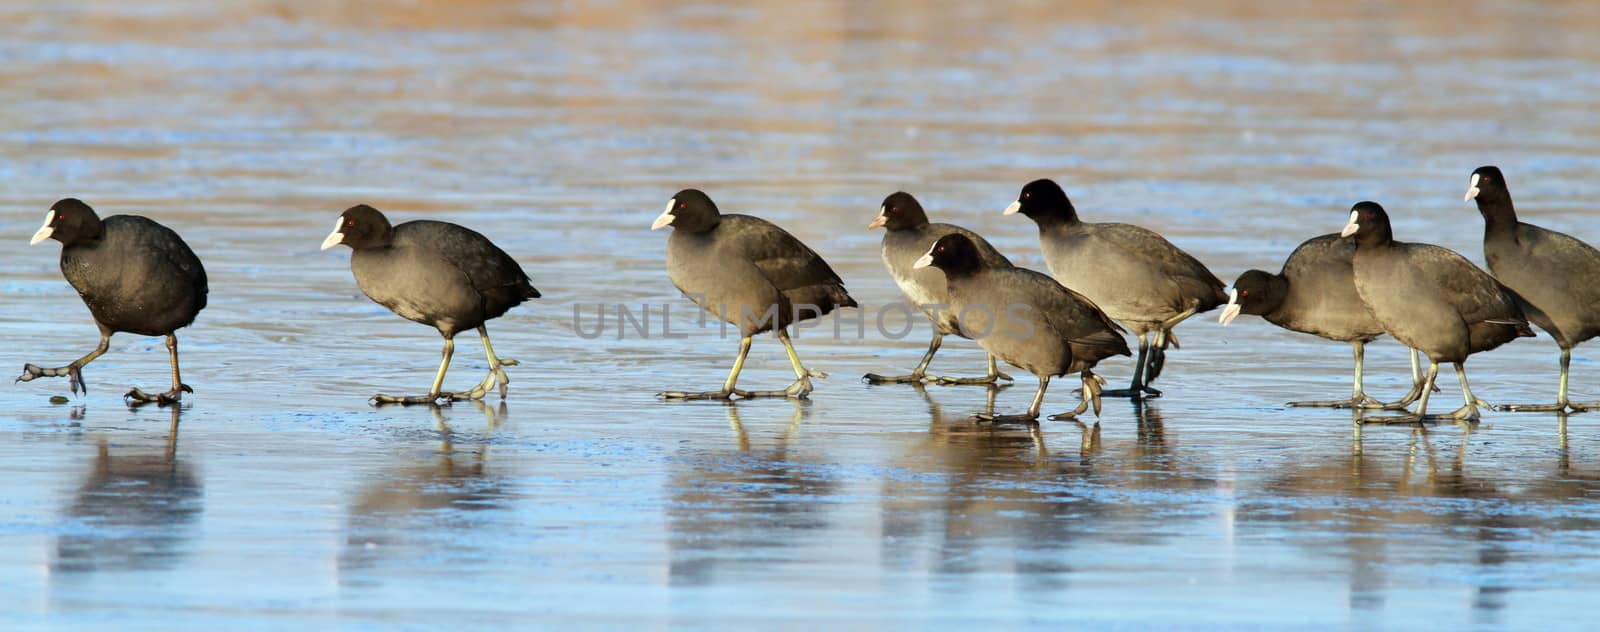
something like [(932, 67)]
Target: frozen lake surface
[(277, 498)]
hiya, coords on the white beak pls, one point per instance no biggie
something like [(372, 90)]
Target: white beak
[(666, 216), (334, 238), (44, 231), (925, 260), (1231, 310), (1352, 227), (880, 220), (1472, 189), (1012, 210)]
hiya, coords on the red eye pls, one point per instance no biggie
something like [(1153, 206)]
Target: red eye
[(1244, 292), (680, 205), (349, 222), (940, 249), (1026, 195)]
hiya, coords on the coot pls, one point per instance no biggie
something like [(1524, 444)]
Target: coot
[(1553, 273), (438, 274), (906, 237), (135, 275), (749, 273), (1027, 319), (1431, 299), (1315, 293), (1138, 277)]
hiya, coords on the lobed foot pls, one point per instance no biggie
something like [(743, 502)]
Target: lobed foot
[(74, 375), (497, 375), (800, 389), (1362, 402), (1465, 413), (1006, 419), (1557, 407), (687, 395), (410, 400), (914, 378), (989, 379), (138, 397), (1144, 392)]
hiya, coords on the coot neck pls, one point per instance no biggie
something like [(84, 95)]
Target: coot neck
[(1381, 235), (699, 224), (1499, 216), (1272, 296), (1058, 220)]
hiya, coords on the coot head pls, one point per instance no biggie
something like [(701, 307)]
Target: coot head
[(1254, 292), (69, 221), (360, 227), (953, 253), (1369, 223), (690, 210), (1488, 186), (900, 211), (1043, 200)]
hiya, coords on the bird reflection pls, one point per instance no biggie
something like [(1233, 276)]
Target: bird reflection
[(987, 495), (1012, 500), (742, 510), (136, 510), (416, 510), (1367, 499)]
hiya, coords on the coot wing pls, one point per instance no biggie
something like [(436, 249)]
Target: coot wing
[(1478, 297), (487, 268), (1073, 315), (792, 267), (1191, 276)]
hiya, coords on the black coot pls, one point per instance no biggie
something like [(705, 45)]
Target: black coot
[(1138, 277), (438, 274), (1431, 299), (1027, 319), (751, 274), (1315, 293), (1553, 273), (906, 237), (134, 275)]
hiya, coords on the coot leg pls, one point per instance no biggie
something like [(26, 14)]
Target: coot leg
[(1033, 410), (1091, 397), (1422, 405), (1158, 348), (1468, 412), (73, 371), (434, 394), (1358, 397), (137, 397), (992, 377), (497, 373), (919, 374), (727, 386), (1138, 388), (801, 388), (1562, 404)]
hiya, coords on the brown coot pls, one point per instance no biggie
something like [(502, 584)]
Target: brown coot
[(1315, 293), (1553, 273), (1027, 319), (135, 276), (1136, 275), (1431, 299), (906, 236), (751, 274), (435, 273)]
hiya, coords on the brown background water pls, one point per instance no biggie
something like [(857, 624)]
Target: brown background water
[(560, 130)]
